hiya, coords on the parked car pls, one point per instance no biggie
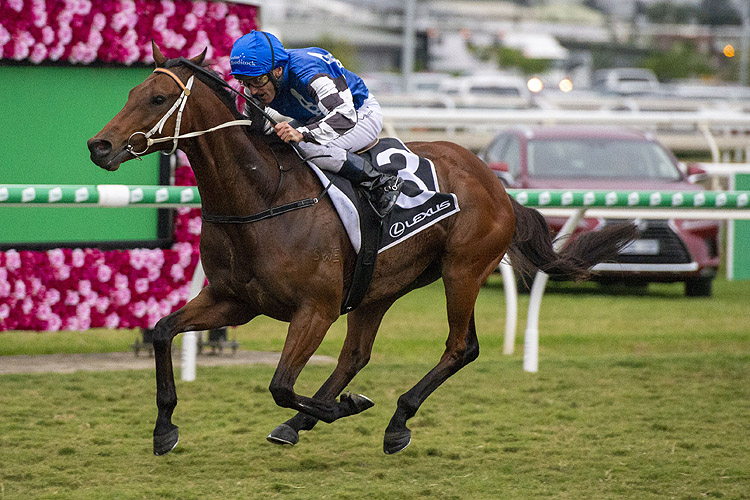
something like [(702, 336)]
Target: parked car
[(578, 157), (625, 81), (487, 90)]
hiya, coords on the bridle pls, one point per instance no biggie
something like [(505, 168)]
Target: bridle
[(178, 106)]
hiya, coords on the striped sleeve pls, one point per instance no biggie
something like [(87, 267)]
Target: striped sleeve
[(334, 99)]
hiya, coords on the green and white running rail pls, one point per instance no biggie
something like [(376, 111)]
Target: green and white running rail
[(118, 195), (630, 204), (631, 199), (104, 195)]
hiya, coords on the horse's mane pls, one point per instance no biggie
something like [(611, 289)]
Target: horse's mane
[(228, 98)]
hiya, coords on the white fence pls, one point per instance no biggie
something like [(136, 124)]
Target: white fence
[(711, 130), (723, 205), (717, 205)]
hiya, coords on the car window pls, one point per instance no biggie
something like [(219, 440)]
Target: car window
[(506, 149), (495, 149), (495, 91), (512, 156), (599, 158)]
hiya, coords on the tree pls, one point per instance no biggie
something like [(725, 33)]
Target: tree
[(513, 58), (342, 50), (680, 61)]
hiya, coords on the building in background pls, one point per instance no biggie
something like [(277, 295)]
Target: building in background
[(452, 35)]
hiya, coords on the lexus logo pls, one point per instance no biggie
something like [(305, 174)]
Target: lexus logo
[(397, 229)]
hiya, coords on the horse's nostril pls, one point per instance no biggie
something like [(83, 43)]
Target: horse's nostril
[(99, 147)]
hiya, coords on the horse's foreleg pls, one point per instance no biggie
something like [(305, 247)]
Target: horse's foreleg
[(306, 331), (362, 326), (204, 312)]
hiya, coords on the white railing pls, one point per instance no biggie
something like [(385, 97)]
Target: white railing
[(717, 205), (715, 130), (720, 205)]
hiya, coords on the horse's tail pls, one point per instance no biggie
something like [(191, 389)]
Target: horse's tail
[(531, 248)]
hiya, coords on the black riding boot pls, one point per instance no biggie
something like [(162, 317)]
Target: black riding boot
[(383, 189)]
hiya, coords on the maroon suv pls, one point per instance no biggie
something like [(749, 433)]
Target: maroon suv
[(584, 157)]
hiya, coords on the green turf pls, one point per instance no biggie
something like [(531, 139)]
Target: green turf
[(641, 396)]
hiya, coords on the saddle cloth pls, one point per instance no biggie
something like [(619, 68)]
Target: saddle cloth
[(420, 205)]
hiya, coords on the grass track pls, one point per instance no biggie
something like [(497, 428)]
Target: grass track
[(638, 396)]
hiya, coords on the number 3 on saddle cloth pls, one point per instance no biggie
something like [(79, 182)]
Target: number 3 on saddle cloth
[(420, 205)]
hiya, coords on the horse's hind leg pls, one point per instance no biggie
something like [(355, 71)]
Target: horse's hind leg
[(362, 326), (457, 355), (204, 312), (462, 284)]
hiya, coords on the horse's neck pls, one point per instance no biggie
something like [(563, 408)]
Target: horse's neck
[(233, 178), (237, 173)]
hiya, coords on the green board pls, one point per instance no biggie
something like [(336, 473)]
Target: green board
[(741, 250), (48, 114)]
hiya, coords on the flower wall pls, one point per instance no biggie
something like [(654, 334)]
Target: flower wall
[(120, 31), (81, 288)]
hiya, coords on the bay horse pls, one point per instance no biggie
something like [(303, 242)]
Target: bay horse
[(274, 267)]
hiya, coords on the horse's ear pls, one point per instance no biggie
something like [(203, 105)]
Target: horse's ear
[(159, 58), (200, 57)]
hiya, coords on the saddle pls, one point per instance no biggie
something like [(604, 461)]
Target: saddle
[(420, 205)]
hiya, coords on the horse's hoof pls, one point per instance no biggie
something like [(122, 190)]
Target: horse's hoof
[(283, 434), (356, 403), (396, 441), (164, 443)]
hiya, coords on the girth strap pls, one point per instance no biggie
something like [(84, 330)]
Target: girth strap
[(371, 230), (265, 214)]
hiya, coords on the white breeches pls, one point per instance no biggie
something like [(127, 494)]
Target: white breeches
[(332, 155)]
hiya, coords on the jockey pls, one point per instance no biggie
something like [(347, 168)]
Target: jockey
[(332, 112)]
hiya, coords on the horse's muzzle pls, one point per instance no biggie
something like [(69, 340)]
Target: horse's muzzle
[(101, 154)]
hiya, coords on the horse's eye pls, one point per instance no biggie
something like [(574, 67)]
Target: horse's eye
[(158, 100)]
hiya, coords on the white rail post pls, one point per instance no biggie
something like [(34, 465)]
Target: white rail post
[(190, 339), (511, 305), (531, 338)]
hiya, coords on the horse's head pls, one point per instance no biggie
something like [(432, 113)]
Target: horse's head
[(151, 106)]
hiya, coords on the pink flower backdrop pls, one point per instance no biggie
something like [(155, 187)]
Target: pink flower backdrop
[(119, 31), (81, 288)]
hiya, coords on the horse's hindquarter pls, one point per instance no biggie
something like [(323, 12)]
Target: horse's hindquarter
[(485, 220)]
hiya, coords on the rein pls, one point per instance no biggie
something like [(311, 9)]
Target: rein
[(219, 81), (179, 106)]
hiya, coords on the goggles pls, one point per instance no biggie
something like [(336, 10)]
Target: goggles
[(255, 81)]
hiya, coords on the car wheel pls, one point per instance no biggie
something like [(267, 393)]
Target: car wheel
[(698, 287)]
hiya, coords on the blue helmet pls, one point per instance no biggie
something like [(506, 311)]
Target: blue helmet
[(257, 53)]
